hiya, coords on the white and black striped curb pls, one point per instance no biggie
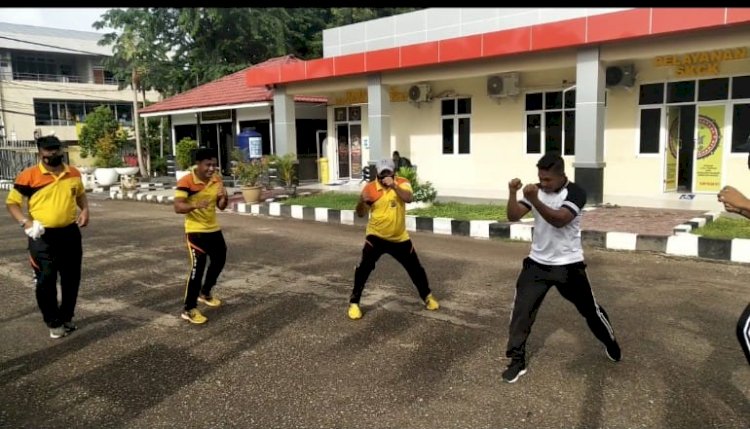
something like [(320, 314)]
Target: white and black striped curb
[(142, 187), (140, 196), (682, 243)]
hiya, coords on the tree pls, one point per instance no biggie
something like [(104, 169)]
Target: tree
[(101, 130)]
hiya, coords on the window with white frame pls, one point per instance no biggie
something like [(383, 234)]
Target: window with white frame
[(455, 114), (654, 96), (551, 122)]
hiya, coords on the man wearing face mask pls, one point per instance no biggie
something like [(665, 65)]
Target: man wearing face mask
[(556, 259), (386, 199), (52, 190)]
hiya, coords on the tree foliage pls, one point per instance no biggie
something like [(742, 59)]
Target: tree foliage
[(99, 124), (176, 49)]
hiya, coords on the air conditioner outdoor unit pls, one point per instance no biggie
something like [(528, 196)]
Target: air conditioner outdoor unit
[(622, 75), (503, 85), (420, 93)]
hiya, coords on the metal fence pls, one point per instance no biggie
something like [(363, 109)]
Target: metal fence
[(15, 155)]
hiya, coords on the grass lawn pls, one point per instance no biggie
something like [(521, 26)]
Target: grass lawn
[(725, 228), (458, 211)]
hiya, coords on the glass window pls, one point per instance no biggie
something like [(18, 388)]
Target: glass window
[(355, 113), (534, 101), (447, 136), (741, 128), (713, 89), (650, 130), (456, 120), (464, 106), (741, 87), (340, 114), (553, 100), (448, 107), (681, 92), (534, 133), (554, 129), (464, 134), (42, 115), (651, 94)]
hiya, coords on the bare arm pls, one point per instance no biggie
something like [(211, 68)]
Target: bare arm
[(734, 201), (222, 198), (181, 205), (83, 204), (515, 210), (17, 214)]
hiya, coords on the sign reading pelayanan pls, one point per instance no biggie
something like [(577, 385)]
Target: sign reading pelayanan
[(703, 63)]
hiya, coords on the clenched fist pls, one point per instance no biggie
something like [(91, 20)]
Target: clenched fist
[(514, 185), (530, 191)]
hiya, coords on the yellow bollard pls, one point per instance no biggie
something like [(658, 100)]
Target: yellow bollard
[(323, 170)]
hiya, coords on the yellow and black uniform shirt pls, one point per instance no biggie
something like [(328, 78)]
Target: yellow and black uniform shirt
[(52, 198), (388, 211), (194, 190)]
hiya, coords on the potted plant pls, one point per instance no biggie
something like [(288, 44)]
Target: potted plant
[(286, 169), (107, 160), (248, 174), (184, 156)]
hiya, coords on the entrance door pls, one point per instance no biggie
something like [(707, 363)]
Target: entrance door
[(349, 137), (680, 153)]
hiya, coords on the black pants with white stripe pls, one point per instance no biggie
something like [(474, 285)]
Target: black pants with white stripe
[(533, 284), (202, 246), (743, 332)]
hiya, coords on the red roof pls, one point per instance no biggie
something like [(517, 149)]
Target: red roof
[(227, 91)]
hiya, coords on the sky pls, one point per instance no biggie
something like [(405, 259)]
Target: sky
[(69, 18)]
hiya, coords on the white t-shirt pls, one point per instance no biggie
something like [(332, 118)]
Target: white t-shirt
[(551, 245)]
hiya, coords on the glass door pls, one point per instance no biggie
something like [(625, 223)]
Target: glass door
[(671, 152)]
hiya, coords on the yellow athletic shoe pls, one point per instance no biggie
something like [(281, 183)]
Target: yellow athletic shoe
[(194, 316), (210, 301), (431, 303), (354, 312)]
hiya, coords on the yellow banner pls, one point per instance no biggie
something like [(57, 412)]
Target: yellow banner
[(710, 147)]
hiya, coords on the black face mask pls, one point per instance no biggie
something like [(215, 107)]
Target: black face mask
[(54, 160)]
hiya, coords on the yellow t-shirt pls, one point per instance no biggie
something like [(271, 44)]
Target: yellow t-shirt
[(388, 212), (51, 198), (193, 190)]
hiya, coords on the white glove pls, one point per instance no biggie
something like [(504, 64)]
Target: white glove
[(36, 230)]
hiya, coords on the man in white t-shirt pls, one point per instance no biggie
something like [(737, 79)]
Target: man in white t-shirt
[(556, 259)]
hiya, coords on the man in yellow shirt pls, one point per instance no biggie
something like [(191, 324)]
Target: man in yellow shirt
[(386, 199), (52, 190), (198, 195)]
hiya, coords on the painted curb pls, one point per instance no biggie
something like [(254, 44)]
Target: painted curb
[(681, 243)]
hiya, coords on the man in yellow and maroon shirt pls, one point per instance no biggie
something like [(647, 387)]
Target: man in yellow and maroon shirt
[(386, 199), (52, 191), (198, 195)]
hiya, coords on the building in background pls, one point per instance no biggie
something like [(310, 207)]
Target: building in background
[(51, 78), (647, 105), (215, 113)]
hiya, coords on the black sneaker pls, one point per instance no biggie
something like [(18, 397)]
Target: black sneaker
[(613, 351), (69, 327), (516, 369)]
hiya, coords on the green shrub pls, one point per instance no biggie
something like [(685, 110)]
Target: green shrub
[(422, 192), (184, 156)]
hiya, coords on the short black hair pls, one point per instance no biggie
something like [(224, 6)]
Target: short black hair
[(552, 161), (395, 153), (203, 153)]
